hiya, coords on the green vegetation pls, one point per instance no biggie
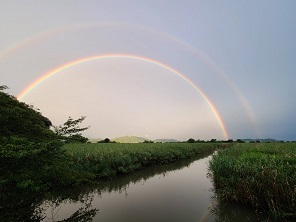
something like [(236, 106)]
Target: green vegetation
[(106, 140), (110, 159), (148, 141), (259, 174), (31, 158), (34, 159), (70, 131)]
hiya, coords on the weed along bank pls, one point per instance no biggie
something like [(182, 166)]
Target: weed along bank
[(262, 175)]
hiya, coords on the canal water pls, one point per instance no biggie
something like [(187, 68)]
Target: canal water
[(175, 192)]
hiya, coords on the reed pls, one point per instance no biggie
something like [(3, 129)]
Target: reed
[(110, 159), (262, 175)]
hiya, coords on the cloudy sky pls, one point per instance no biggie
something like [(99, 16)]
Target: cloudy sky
[(157, 68)]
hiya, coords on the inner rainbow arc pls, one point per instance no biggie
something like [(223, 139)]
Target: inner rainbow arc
[(47, 75)]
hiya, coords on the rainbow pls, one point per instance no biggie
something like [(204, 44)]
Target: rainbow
[(58, 69), (39, 37)]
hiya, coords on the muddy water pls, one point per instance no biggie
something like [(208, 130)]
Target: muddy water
[(175, 192)]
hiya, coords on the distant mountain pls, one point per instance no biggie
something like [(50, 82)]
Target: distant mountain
[(261, 140), (129, 139), (166, 141)]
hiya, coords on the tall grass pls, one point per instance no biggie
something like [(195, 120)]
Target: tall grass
[(110, 159), (262, 175)]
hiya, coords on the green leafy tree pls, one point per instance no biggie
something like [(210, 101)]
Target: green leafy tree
[(19, 120), (213, 140), (31, 158), (240, 141), (2, 88), (191, 140), (107, 140), (70, 131)]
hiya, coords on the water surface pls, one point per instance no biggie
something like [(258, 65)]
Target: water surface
[(174, 192)]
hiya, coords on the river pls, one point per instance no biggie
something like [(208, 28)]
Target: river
[(174, 192)]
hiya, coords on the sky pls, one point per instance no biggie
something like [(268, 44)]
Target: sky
[(157, 68)]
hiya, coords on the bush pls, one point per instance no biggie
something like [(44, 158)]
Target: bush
[(31, 158)]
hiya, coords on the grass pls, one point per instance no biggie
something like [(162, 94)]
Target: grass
[(262, 175), (109, 159)]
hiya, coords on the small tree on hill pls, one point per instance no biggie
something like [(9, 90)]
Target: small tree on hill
[(107, 140), (240, 141), (191, 140), (148, 141)]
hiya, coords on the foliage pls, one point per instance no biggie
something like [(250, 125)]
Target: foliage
[(70, 130), (2, 88), (18, 119), (76, 139), (148, 141), (259, 174), (110, 159), (191, 140), (106, 140), (70, 127), (31, 158)]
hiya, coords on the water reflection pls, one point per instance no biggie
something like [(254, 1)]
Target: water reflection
[(225, 212), (84, 211), (125, 198), (173, 192), (35, 211)]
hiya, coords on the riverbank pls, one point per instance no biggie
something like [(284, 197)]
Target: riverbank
[(258, 174), (133, 196), (106, 160), (91, 165)]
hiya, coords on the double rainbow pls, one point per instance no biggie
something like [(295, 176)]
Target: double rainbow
[(47, 75)]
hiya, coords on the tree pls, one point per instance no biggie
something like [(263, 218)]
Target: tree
[(240, 141), (32, 160), (30, 153), (148, 141), (70, 130), (2, 88), (106, 140), (19, 120), (191, 140)]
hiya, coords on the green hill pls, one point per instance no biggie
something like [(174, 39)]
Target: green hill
[(129, 139), (261, 140), (166, 141)]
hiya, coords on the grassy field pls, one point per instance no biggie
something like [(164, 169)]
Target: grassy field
[(110, 159), (262, 175)]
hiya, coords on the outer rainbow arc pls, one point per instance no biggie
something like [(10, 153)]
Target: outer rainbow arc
[(79, 61)]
